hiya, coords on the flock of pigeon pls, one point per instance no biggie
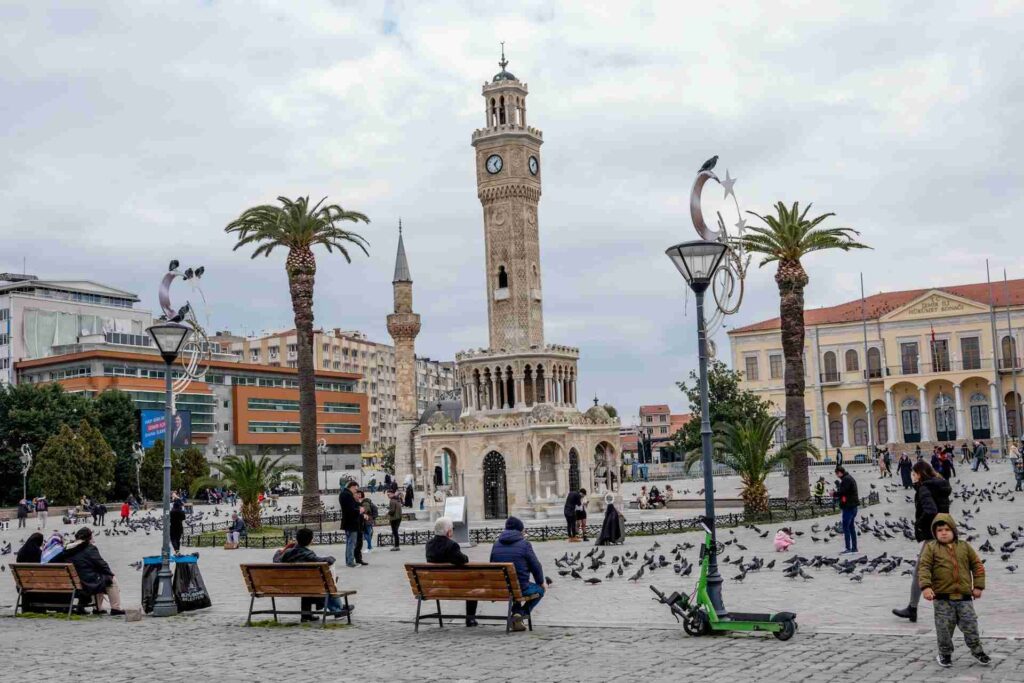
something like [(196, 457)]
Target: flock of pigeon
[(735, 562)]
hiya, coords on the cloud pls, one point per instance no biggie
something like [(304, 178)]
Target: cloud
[(133, 132)]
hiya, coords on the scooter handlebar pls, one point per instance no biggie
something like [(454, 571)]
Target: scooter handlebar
[(661, 596)]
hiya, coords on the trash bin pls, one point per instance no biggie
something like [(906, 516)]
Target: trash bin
[(187, 583)]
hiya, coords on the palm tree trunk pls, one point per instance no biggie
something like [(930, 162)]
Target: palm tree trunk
[(251, 514), (791, 279), (301, 268)]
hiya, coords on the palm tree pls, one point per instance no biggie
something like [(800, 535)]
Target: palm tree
[(787, 238), (298, 228), (249, 477), (744, 448)]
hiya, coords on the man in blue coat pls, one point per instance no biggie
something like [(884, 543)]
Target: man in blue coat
[(513, 547)]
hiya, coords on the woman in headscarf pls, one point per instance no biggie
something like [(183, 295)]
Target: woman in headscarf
[(613, 529), (32, 551), (96, 575), (903, 467)]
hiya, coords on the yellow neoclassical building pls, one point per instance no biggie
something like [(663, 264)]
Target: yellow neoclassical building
[(939, 365)]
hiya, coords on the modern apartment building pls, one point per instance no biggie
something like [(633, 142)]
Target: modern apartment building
[(38, 318), (658, 422), (915, 366), (351, 351), (239, 408)]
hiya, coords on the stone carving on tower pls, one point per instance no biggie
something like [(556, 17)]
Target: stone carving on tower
[(403, 326)]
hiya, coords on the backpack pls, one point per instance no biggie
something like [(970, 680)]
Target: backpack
[(373, 509)]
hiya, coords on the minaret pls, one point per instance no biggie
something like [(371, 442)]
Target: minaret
[(403, 326), (508, 175)]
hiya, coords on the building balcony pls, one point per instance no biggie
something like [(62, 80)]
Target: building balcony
[(829, 378), (1007, 364)]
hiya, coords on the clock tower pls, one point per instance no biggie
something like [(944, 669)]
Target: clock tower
[(508, 176)]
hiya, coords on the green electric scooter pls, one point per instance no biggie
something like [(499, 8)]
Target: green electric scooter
[(698, 614)]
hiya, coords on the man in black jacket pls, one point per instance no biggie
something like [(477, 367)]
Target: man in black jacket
[(351, 514), (299, 551), (93, 571), (441, 549), (846, 493), (572, 501)]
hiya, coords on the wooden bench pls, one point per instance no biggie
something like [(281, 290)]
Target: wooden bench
[(480, 581), (46, 580), (292, 580)]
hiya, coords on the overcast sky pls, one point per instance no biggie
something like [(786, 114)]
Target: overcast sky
[(132, 132)]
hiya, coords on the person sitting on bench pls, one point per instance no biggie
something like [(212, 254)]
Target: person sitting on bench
[(235, 531), (441, 549), (95, 574), (299, 551), (513, 547)]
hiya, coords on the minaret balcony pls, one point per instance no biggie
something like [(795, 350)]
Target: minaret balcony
[(501, 294)]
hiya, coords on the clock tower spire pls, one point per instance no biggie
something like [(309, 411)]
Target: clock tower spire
[(508, 179)]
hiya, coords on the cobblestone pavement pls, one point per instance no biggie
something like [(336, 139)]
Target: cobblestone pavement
[(583, 632), (105, 649)]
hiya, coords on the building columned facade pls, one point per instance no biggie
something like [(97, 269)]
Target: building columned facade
[(938, 366), (512, 441)]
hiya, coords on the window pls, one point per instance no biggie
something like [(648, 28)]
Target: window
[(226, 426), (341, 429), (780, 435), (1009, 353), (254, 355), (5, 339), (940, 355), (502, 278), (663, 430), (293, 348), (882, 430), (5, 314), (835, 433), (828, 362), (119, 371), (908, 358), (346, 408), (970, 351), (273, 427), (227, 403), (273, 404), (860, 432), (874, 363), (663, 418), (123, 339), (775, 366), (751, 364), (852, 361)]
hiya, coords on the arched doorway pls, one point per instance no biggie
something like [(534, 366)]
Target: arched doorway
[(910, 416), (945, 418), (495, 490), (574, 470), (604, 465), (980, 425), (547, 475)]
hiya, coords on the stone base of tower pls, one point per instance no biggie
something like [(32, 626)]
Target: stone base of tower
[(405, 463)]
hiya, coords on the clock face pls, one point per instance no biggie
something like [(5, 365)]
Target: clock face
[(494, 164), (534, 165)]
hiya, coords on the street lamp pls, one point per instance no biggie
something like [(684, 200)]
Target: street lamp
[(697, 261), (169, 338), (137, 456), (26, 464)]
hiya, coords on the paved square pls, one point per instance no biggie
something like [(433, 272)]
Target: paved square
[(583, 632)]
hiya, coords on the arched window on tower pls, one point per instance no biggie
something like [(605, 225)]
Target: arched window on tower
[(501, 109), (494, 113), (502, 278)]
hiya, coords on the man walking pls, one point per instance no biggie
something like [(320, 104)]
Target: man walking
[(846, 493), (572, 501), (394, 518), (42, 511), (980, 456), (351, 513)]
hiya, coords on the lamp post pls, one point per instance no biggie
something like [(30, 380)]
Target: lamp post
[(137, 457), (169, 338), (26, 464), (697, 261)]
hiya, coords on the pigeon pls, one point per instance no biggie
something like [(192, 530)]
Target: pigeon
[(709, 164), (1011, 568), (611, 574), (771, 565), (593, 580), (547, 580), (638, 575), (173, 265)]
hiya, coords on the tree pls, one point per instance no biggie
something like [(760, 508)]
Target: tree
[(115, 417), (610, 409), (249, 476), (786, 238), (744, 447), (96, 462), (727, 402), (55, 470), (31, 414), (191, 466), (387, 459), (151, 474), (297, 227)]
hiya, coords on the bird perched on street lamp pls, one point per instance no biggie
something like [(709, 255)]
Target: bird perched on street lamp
[(709, 164)]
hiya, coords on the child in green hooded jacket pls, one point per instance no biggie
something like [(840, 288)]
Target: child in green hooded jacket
[(952, 576)]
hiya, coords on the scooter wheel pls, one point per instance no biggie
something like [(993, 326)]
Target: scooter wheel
[(788, 630), (697, 624)]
